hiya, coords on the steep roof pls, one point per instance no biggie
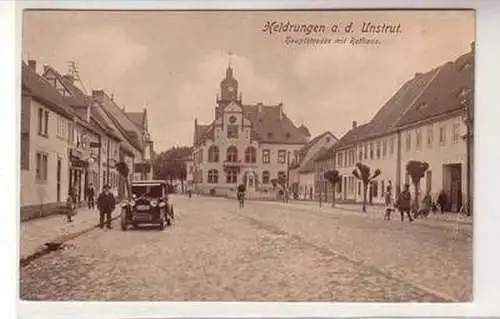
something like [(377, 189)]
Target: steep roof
[(309, 166), (41, 90), (77, 98), (303, 151), (442, 95), (269, 125), (138, 118)]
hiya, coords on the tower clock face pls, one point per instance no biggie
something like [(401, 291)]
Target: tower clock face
[(230, 89)]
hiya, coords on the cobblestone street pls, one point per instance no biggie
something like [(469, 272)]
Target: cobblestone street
[(266, 251)]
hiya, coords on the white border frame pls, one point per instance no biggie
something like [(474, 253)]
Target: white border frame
[(486, 261)]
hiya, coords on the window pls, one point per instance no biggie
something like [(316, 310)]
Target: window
[(40, 121), (339, 159), (442, 135), (428, 181), (408, 141), (382, 188), (232, 131), (371, 151), (281, 176), (213, 154), (46, 128), (281, 157), (266, 156), (41, 167), (346, 158), (391, 148), (366, 150), (430, 133), (378, 149), (231, 176), (384, 148), (25, 151), (374, 188), (250, 156), (418, 139), (455, 133), (265, 177), (232, 154), (360, 152), (213, 176)]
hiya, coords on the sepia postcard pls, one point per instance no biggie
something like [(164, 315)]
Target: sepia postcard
[(247, 155)]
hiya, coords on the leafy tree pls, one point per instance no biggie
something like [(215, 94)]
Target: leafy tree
[(170, 165), (334, 178), (274, 182), (363, 173), (416, 170)]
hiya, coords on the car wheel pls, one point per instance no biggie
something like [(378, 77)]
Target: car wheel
[(123, 219)]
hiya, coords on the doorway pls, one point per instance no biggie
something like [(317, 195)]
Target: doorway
[(452, 181)]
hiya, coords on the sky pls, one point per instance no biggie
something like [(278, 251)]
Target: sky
[(171, 62)]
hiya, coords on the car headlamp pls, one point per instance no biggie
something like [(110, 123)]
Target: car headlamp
[(154, 203)]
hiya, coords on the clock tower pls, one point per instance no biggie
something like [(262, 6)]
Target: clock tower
[(228, 90)]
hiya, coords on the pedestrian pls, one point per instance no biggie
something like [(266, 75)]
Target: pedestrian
[(442, 201), (389, 203), (241, 195), (90, 196), (404, 203), (426, 206), (70, 208), (106, 204)]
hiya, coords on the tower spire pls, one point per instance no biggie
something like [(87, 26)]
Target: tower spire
[(229, 54)]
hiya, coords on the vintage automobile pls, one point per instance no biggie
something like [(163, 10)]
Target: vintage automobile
[(149, 205)]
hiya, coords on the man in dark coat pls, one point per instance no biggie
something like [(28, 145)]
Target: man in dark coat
[(404, 203), (106, 204)]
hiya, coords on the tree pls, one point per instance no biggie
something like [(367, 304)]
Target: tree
[(274, 182), (170, 165), (416, 170), (334, 178), (363, 173), (123, 170)]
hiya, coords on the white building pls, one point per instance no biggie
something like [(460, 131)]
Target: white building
[(302, 173), (422, 121), (245, 144), (47, 124)]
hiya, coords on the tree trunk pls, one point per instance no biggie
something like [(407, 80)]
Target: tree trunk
[(417, 186), (365, 189), (333, 195), (182, 186)]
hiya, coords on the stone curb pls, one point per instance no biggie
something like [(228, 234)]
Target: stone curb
[(44, 249)]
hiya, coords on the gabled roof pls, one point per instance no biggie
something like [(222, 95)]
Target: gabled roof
[(305, 149), (269, 125), (77, 98), (138, 118), (309, 166), (442, 95), (44, 92)]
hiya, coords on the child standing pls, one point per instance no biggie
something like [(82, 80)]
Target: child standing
[(389, 203)]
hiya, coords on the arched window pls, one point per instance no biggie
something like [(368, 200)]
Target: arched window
[(213, 176), (250, 155), (213, 154), (265, 177), (232, 154), (231, 176)]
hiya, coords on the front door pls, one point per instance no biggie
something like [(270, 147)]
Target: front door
[(456, 188), (250, 186)]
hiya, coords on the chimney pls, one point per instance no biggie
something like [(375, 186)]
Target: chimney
[(69, 78), (32, 64), (112, 96), (473, 46), (281, 111), (354, 124)]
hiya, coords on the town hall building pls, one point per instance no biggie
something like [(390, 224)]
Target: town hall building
[(245, 144)]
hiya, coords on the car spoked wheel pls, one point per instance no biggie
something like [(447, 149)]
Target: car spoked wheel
[(123, 219)]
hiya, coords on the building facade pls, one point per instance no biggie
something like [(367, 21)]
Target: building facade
[(245, 144), (423, 121), (46, 126), (302, 172)]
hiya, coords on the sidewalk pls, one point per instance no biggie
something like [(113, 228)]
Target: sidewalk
[(35, 233), (376, 211)]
